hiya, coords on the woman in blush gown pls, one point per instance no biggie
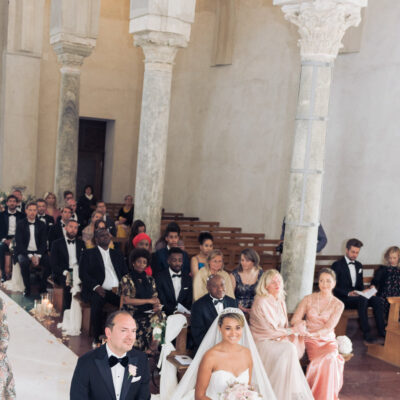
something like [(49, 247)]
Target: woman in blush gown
[(278, 345), (227, 354), (322, 311)]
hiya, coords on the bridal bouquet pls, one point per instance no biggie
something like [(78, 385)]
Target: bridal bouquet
[(345, 346), (239, 391)]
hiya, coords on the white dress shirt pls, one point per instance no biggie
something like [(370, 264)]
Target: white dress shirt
[(353, 272), (219, 307), (32, 242), (12, 224), (111, 279), (177, 282), (117, 372)]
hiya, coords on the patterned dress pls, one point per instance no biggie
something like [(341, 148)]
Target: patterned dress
[(7, 386), (245, 293), (387, 282), (150, 326)]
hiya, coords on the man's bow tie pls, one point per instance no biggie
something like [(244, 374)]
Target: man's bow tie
[(31, 223), (62, 225), (11, 214), (70, 241), (176, 275), (352, 262), (114, 361), (215, 302)]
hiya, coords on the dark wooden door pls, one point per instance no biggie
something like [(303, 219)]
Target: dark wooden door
[(92, 140)]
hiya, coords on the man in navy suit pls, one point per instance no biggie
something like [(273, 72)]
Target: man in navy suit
[(173, 285), (207, 308), (114, 370), (349, 279), (101, 270)]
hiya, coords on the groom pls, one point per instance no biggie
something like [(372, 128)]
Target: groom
[(113, 371)]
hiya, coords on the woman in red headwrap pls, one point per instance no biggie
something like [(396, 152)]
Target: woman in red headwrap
[(143, 241)]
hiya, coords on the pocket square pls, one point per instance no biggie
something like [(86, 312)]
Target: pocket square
[(185, 288), (135, 379), (360, 271)]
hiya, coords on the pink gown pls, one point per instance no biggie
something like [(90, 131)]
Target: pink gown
[(280, 356), (325, 371)]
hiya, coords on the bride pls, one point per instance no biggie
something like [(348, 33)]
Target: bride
[(227, 354)]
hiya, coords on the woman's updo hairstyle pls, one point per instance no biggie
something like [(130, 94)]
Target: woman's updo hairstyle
[(238, 317)]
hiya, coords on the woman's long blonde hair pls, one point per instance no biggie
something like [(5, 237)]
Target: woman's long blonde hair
[(265, 280)]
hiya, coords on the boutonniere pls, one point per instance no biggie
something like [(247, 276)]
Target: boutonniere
[(359, 271), (132, 373)]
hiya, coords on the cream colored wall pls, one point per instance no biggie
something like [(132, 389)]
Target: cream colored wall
[(111, 84), (231, 127)]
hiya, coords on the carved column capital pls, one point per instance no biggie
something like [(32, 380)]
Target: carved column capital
[(322, 25)]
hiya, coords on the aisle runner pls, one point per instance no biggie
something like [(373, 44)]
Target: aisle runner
[(42, 366)]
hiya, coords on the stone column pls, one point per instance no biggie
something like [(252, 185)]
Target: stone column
[(72, 39), (321, 25), (160, 27)]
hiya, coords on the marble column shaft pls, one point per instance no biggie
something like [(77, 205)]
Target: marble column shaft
[(67, 132), (152, 151)]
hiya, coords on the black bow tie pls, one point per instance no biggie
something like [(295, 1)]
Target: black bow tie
[(62, 225), (216, 301), (176, 275), (70, 241), (41, 217), (12, 214), (114, 361), (352, 262), (31, 223)]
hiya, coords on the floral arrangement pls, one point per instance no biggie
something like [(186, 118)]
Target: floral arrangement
[(239, 391), (345, 345)]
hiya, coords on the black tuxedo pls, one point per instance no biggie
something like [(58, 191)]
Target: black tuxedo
[(92, 378), (92, 274), (48, 220), (85, 208), (203, 315), (55, 232), (344, 285), (4, 225), (159, 261), (166, 293), (110, 225), (22, 237)]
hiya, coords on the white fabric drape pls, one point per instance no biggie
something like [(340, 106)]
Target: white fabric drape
[(15, 284)]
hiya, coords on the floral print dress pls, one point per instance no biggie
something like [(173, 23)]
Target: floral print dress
[(7, 386)]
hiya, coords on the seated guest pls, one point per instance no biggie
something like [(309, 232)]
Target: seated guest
[(387, 277), (322, 311), (173, 285), (100, 224), (88, 232), (31, 247), (349, 278), (52, 209), (143, 241), (20, 204), (245, 279), (140, 298), (57, 231), (125, 217), (162, 241), (138, 226), (198, 261), (67, 195), (86, 205), (100, 270), (106, 373), (42, 214), (72, 204), (207, 308), (278, 348), (101, 207), (65, 254), (8, 224), (215, 266), (160, 257)]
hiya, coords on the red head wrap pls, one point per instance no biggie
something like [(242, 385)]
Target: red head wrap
[(138, 238)]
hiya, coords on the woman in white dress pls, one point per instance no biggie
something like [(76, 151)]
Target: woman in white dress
[(227, 354)]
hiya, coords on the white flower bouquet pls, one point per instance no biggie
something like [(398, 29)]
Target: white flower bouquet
[(239, 391), (345, 345)]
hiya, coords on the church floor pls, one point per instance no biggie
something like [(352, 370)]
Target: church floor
[(364, 376)]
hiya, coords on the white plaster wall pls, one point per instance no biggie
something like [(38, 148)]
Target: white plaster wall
[(361, 190), (231, 127)]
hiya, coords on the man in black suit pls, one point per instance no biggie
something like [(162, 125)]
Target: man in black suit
[(115, 370), (173, 285), (71, 203), (57, 231), (42, 216), (65, 255), (20, 204), (110, 224), (349, 279), (160, 257), (101, 270), (8, 224), (31, 247), (207, 308)]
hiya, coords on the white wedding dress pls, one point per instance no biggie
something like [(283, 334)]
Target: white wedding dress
[(221, 379)]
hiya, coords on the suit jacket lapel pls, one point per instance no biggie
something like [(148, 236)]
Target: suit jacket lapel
[(170, 285), (182, 293), (65, 252), (126, 384), (105, 370), (211, 307), (347, 272)]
